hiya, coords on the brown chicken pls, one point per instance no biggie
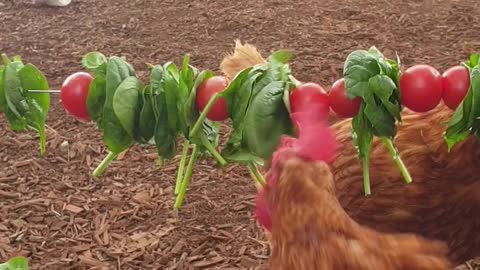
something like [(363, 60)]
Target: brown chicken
[(311, 231), (442, 203)]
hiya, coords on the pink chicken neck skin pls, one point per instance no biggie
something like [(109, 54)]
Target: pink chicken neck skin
[(316, 141)]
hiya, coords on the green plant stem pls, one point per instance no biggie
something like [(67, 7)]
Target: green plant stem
[(213, 151), (294, 80), (181, 166), (198, 125), (257, 176), (159, 162), (186, 179), (186, 59), (43, 138), (396, 157), (5, 59), (105, 162), (366, 175)]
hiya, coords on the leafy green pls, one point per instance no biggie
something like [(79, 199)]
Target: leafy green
[(14, 93), (5, 59), (128, 112), (95, 62), (359, 67), (16, 123), (116, 138), (96, 99), (146, 118), (165, 137), (170, 89), (465, 121), (375, 79), (174, 107), (473, 61), (210, 130), (156, 79), (113, 103), (255, 100), (188, 75), (362, 137), (239, 109), (190, 112), (3, 101), (22, 109), (362, 133), (125, 102), (15, 263), (32, 78), (266, 120), (276, 70)]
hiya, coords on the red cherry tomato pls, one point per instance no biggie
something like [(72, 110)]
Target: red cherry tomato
[(74, 94), (421, 88), (206, 91), (340, 103), (456, 82), (309, 95)]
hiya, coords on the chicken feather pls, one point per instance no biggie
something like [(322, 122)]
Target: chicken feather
[(311, 231)]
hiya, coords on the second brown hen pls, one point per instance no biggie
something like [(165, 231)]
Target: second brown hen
[(442, 203)]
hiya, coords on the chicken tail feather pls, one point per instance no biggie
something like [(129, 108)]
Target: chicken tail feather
[(243, 56)]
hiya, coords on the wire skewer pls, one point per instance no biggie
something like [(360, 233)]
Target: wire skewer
[(44, 91)]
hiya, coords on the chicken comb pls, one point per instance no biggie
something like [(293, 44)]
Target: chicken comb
[(316, 140)]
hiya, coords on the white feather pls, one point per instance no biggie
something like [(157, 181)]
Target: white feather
[(56, 3)]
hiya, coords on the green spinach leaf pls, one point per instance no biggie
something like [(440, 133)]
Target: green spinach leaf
[(375, 79), (95, 62), (32, 79), (359, 67), (116, 138), (14, 92), (125, 102), (243, 98), (97, 94), (96, 99), (3, 101), (15, 263), (362, 131), (156, 83), (465, 120), (21, 108), (255, 99), (190, 111), (146, 119), (229, 94), (266, 120), (165, 137)]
